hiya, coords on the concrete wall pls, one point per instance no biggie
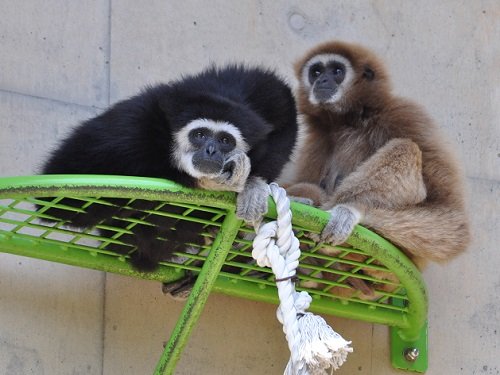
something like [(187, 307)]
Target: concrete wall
[(64, 61)]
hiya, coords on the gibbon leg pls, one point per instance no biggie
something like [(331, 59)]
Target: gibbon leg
[(307, 193), (391, 178)]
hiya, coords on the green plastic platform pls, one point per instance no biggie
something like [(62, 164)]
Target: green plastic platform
[(223, 262)]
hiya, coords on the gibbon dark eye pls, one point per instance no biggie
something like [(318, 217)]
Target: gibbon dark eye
[(315, 71), (226, 141), (337, 68), (338, 71), (199, 135)]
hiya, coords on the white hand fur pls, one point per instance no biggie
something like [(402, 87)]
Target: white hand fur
[(251, 204), (342, 221)]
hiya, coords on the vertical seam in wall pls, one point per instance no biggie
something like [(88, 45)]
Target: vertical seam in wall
[(103, 323), (371, 349), (104, 281), (109, 52)]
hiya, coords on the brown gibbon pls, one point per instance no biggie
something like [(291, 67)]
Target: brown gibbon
[(373, 158)]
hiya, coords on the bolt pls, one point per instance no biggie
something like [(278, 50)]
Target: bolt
[(411, 354)]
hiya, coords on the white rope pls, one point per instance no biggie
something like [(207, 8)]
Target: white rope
[(314, 346)]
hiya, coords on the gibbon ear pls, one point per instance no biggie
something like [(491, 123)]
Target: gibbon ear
[(368, 73)]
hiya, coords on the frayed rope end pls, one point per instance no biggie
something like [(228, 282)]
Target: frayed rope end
[(321, 348)]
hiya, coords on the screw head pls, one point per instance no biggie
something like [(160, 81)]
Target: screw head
[(411, 354)]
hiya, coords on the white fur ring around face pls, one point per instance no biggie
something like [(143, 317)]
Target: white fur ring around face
[(342, 221)]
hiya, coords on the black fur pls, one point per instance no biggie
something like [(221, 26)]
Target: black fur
[(135, 137)]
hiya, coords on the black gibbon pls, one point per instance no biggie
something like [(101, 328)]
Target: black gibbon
[(231, 128)]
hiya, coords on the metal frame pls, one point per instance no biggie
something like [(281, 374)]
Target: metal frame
[(406, 313)]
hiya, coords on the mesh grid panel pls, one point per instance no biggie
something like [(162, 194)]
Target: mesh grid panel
[(114, 223), (101, 222), (339, 273)]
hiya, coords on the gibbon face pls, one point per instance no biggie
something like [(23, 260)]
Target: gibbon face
[(203, 148), (326, 76), (338, 78)]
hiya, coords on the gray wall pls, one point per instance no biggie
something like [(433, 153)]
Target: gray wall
[(64, 61)]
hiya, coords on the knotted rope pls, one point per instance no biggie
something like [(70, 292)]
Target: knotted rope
[(314, 346)]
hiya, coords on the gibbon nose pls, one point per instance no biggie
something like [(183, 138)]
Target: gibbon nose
[(325, 82), (210, 150)]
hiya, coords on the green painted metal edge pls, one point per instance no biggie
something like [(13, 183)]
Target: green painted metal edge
[(247, 290), (407, 273), (115, 186), (20, 245)]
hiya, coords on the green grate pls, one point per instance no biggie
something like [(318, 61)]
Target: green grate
[(38, 213)]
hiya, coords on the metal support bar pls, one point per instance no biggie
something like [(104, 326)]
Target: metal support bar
[(199, 295)]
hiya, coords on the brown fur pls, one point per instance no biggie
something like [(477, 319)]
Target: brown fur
[(384, 156), (315, 194)]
